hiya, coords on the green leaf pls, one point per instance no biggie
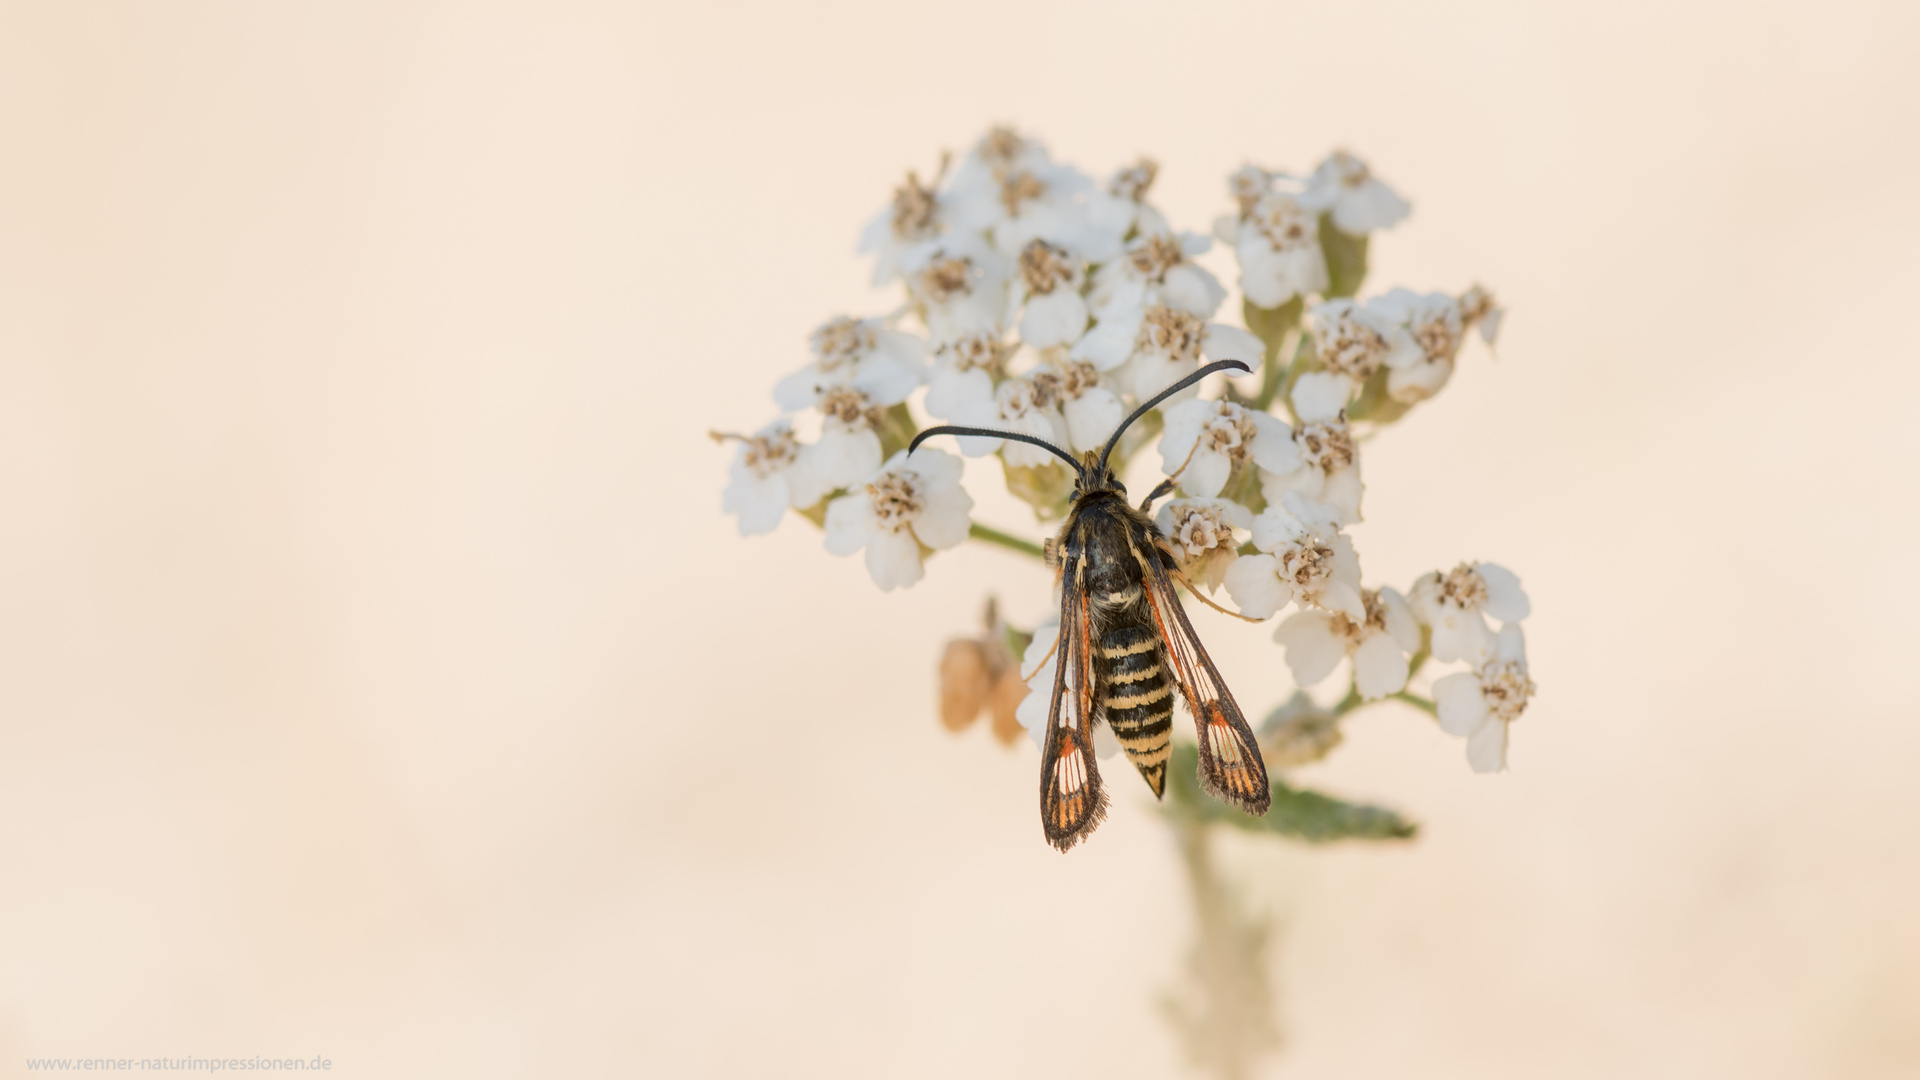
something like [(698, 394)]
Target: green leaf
[(1346, 258), (1296, 813)]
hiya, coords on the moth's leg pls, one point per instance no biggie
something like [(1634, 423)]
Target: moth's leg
[(1166, 486), (1205, 599), (1051, 649)]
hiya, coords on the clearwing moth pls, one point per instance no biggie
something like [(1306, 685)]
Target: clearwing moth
[(1124, 644)]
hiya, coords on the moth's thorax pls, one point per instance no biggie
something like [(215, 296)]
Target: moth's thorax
[(1106, 540)]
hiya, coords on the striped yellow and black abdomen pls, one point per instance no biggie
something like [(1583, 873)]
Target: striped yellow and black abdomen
[(1135, 691)]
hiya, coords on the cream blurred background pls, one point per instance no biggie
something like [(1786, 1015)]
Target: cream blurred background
[(379, 678)]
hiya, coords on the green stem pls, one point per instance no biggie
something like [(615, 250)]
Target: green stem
[(1005, 540), (1279, 331), (1275, 372), (1425, 705), (1224, 1010), (1296, 367), (1349, 703), (1353, 701)]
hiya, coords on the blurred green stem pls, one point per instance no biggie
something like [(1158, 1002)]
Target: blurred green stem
[(1352, 701), (1225, 1015), (1005, 540), (1418, 702), (1279, 330)]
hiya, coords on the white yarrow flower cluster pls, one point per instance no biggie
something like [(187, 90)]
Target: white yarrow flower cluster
[(1351, 344), (1409, 339), (1378, 643), (861, 369), (1304, 559), (1449, 613), (1325, 467), (767, 477), (1206, 536), (914, 501), (1480, 705), (1345, 189), (1455, 607), (1207, 441), (1040, 302), (1276, 238)]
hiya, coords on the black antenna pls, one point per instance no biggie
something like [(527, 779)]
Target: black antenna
[(1217, 365), (949, 429)]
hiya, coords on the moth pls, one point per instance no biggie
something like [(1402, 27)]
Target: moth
[(1125, 645)]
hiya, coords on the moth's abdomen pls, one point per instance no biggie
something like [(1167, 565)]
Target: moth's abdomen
[(1136, 694)]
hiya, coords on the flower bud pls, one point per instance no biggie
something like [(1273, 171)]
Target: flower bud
[(965, 683), (1299, 732), (1009, 690)]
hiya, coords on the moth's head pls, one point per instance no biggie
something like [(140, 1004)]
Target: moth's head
[(1097, 476)]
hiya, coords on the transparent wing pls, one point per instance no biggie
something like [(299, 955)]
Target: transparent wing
[(1072, 801), (1231, 768)]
